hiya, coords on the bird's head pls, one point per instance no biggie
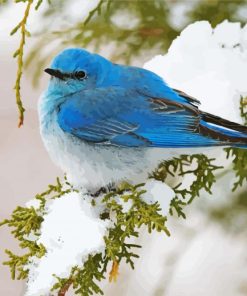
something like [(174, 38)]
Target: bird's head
[(76, 69)]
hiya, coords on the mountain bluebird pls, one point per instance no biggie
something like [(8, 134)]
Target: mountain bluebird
[(103, 123)]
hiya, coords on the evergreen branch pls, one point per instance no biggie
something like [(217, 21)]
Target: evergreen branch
[(239, 165), (19, 53), (177, 205), (24, 221), (197, 165), (117, 248), (126, 224), (27, 221), (239, 155), (83, 279), (16, 264), (243, 109)]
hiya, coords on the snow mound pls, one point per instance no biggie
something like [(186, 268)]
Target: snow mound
[(209, 64), (71, 230)]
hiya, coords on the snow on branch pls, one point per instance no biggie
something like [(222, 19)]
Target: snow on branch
[(72, 237)]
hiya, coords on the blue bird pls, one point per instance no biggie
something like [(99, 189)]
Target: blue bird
[(104, 123)]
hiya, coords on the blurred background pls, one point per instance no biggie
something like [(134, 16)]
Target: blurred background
[(206, 254)]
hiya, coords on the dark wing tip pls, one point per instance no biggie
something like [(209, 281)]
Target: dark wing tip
[(189, 98), (223, 122)]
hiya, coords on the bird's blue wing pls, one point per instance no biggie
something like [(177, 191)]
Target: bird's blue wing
[(93, 115), (127, 118)]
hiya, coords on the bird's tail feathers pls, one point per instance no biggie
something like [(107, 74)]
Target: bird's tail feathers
[(224, 131)]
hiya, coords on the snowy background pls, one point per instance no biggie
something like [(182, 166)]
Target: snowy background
[(202, 257)]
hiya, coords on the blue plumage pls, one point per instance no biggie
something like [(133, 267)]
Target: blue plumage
[(93, 103), (116, 116), (150, 112)]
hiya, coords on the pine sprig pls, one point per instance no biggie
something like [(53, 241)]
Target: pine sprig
[(86, 278), (16, 265), (54, 191), (177, 205), (243, 109), (239, 155), (239, 165), (140, 213), (199, 166), (83, 280), (26, 223), (19, 53)]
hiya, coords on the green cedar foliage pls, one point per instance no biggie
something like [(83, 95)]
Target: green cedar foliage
[(238, 155)]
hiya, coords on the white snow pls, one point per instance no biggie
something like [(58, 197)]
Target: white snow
[(71, 230), (232, 37), (198, 64), (157, 191)]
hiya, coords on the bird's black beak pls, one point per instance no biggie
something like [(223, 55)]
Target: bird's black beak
[(55, 73)]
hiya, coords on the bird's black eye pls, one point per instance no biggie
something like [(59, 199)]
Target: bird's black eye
[(80, 75)]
